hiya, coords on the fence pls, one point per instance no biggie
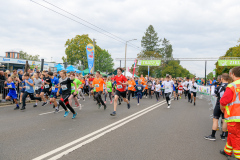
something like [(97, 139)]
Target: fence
[(206, 93)]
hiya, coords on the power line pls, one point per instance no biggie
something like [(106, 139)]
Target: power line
[(87, 22), (80, 23)]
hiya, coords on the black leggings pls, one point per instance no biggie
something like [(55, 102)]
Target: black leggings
[(129, 93), (110, 96), (65, 104), (98, 97), (146, 92), (157, 94), (31, 96), (189, 95), (168, 96)]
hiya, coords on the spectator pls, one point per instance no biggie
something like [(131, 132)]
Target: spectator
[(2, 79), (8, 72), (14, 75), (6, 75), (20, 74)]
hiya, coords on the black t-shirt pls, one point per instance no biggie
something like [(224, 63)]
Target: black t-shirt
[(66, 85), (48, 80), (149, 83), (219, 91), (176, 86)]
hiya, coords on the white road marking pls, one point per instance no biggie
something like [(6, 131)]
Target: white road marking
[(54, 111), (98, 131)]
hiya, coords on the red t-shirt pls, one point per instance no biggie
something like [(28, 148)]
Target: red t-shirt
[(180, 87), (122, 79), (90, 81), (227, 97)]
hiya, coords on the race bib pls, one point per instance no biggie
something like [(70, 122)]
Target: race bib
[(46, 86), (36, 87), (53, 88), (139, 88), (9, 86), (90, 82), (73, 88), (130, 86), (108, 89), (27, 87), (167, 87), (119, 86), (97, 85), (64, 87)]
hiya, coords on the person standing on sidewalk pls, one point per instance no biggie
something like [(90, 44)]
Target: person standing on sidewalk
[(230, 105)]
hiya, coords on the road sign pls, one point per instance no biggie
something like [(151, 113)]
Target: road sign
[(149, 62)]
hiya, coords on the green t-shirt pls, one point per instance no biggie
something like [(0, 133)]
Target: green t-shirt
[(78, 83), (109, 86)]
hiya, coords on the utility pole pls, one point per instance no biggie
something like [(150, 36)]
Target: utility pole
[(94, 54), (126, 56)]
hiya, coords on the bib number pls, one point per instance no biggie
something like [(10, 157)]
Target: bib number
[(9, 86), (139, 88), (36, 87), (72, 88), (130, 86), (119, 86), (108, 89), (97, 85), (64, 87), (27, 87), (46, 86)]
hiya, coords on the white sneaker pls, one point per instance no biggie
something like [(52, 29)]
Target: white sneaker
[(138, 104), (168, 107)]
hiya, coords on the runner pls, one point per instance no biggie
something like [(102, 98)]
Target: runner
[(12, 92), (22, 88), (80, 91), (217, 113), (55, 88), (46, 87), (168, 85), (98, 84), (180, 89), (131, 88), (74, 96), (109, 88), (150, 84), (38, 84), (29, 91), (176, 89), (121, 89), (158, 90), (65, 84), (193, 90), (139, 89)]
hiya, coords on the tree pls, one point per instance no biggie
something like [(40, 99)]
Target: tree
[(231, 52), (24, 55), (76, 50), (210, 75)]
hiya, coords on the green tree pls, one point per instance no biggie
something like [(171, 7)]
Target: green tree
[(76, 50), (210, 75), (231, 52), (24, 55)]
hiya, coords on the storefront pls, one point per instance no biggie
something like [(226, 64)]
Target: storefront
[(14, 63)]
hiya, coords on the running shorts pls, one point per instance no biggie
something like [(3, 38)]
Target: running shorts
[(120, 94), (217, 113), (194, 94)]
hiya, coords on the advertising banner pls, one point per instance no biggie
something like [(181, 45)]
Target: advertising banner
[(149, 62), (229, 62), (205, 90), (90, 57)]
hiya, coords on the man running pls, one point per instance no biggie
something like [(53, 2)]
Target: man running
[(168, 85), (193, 90), (46, 88), (55, 88), (38, 84), (121, 81)]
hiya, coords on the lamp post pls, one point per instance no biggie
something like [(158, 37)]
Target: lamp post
[(126, 55)]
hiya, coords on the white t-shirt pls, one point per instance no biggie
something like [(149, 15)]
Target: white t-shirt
[(189, 85), (193, 85), (185, 85), (158, 88), (168, 85)]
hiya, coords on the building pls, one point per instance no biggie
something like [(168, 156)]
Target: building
[(11, 61)]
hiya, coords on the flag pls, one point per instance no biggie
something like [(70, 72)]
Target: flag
[(90, 57), (134, 66)]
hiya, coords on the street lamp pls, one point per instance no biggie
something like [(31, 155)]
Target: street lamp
[(126, 55)]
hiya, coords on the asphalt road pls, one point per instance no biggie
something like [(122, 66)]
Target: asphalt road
[(146, 132)]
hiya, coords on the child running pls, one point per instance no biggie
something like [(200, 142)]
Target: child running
[(139, 89), (12, 92)]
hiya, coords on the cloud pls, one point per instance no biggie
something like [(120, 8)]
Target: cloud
[(194, 28)]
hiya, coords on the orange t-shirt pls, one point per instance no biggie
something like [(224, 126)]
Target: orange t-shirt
[(131, 85), (83, 82), (142, 79), (98, 84), (145, 84)]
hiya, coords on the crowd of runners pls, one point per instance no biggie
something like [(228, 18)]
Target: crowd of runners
[(60, 89)]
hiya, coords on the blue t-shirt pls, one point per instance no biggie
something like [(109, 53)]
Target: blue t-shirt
[(29, 88), (199, 82), (11, 87), (214, 81), (23, 84), (136, 82), (139, 88), (54, 82)]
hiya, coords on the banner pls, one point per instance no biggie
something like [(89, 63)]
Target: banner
[(229, 62), (205, 90), (214, 73), (134, 66), (148, 71), (90, 57), (149, 62)]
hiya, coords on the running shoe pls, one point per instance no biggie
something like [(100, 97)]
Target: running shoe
[(191, 101), (113, 113), (105, 106), (53, 106), (83, 99), (128, 105), (119, 103), (16, 108), (223, 153), (44, 104), (111, 102), (34, 105), (66, 113), (99, 106), (222, 137), (74, 115), (105, 102), (180, 97), (194, 104), (56, 110), (23, 108), (168, 106), (138, 104), (177, 98), (210, 137)]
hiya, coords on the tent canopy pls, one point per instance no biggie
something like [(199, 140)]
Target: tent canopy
[(59, 67), (73, 69)]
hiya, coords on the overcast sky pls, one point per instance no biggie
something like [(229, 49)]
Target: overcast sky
[(195, 28)]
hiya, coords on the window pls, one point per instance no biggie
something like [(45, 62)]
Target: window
[(8, 55)]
